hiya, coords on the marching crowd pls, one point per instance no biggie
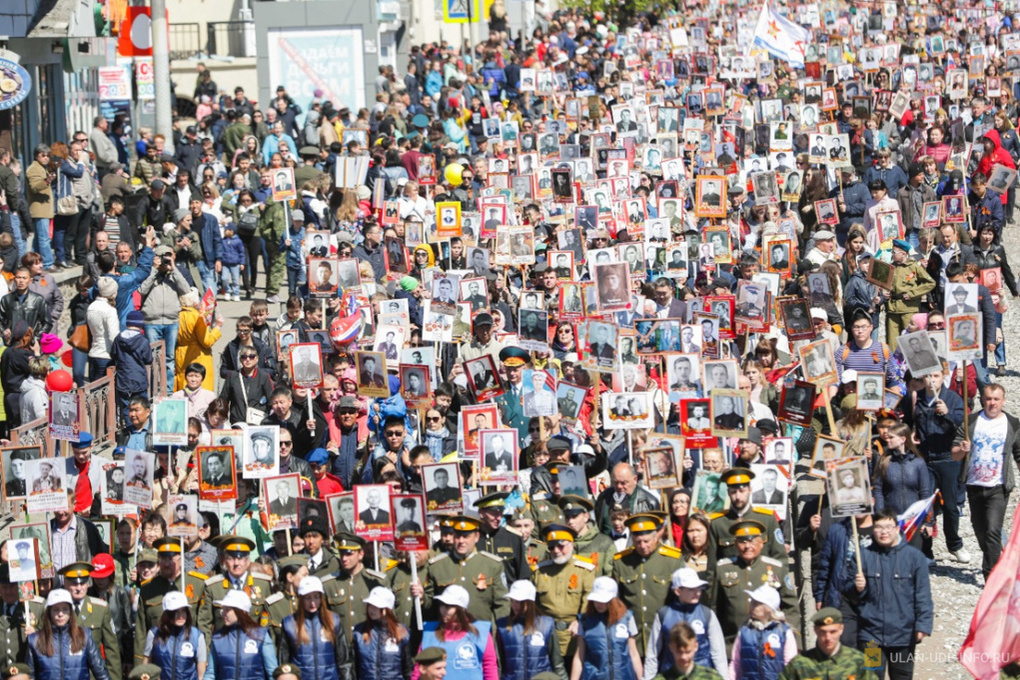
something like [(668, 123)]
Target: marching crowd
[(683, 346)]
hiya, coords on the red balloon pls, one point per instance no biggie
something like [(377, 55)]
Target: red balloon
[(59, 381), (67, 358)]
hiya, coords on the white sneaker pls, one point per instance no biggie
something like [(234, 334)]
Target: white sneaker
[(235, 298), (961, 556)]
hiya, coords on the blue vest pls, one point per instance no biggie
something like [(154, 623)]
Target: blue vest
[(464, 656), (237, 654), (606, 649), (176, 656), (524, 657), (696, 616), (755, 664), (380, 657), (316, 659)]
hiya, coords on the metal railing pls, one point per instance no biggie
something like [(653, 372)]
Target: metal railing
[(185, 40), (226, 38)]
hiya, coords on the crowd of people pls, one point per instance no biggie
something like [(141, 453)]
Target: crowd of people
[(623, 349)]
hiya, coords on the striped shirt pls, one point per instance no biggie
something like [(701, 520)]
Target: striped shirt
[(877, 358)]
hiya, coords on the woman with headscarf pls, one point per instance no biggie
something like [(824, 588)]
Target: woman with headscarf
[(313, 637), (61, 649)]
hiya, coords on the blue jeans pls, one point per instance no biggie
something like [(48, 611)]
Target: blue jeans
[(42, 241), (97, 368), (19, 240), (230, 277), (295, 279), (208, 275), (1000, 348), (168, 332), (81, 361)]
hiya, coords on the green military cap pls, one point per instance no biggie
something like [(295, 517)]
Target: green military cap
[(168, 545), (554, 466), (445, 524), (347, 541), (293, 561), (466, 523), (747, 527), (736, 477), (147, 555), (430, 655), (572, 505), (145, 671), (827, 616), (287, 669), (16, 669), (493, 500), (558, 532), (77, 570), (514, 357), (642, 522)]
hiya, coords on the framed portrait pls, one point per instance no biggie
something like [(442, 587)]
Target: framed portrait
[(40, 533), (709, 494), (796, 403), (965, 332), (720, 374), (23, 560), (797, 319), (1001, 178), (260, 457), (880, 273), (919, 354), (660, 335), (474, 418), (348, 275), (792, 184), (533, 329), (372, 509), (216, 473), (281, 493), (284, 188), (569, 398), (682, 376), (827, 450), (710, 197), (818, 363), (323, 280), (849, 488), (659, 467), (233, 439), (953, 209), (612, 286), (15, 473), (340, 508), (171, 422), (372, 378), (722, 307), (483, 378), (601, 339), (409, 525), (306, 364), (538, 393), (931, 214), (778, 257), (890, 225), (182, 515), (311, 507), (991, 279), (443, 494), (389, 340), (415, 384), (826, 212), (139, 467), (284, 339), (499, 456), (769, 488), (627, 410), (780, 451), (448, 219), (64, 419), (729, 413), (870, 391)]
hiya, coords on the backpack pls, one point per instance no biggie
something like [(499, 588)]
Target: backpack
[(247, 223)]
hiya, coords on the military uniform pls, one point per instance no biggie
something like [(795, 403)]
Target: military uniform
[(733, 576), (255, 584), (910, 283), (272, 227), (398, 579), (847, 662), (94, 614), (150, 605), (598, 548), (504, 543), (13, 646), (510, 406), (544, 510), (721, 543), (480, 573), (329, 565), (345, 595), (561, 592)]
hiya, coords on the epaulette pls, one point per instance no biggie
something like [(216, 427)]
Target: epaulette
[(260, 575), (771, 560), (39, 600), (724, 561), (584, 563), (327, 577), (514, 531), (200, 575), (274, 598), (390, 564), (98, 602), (490, 556), (623, 552), (439, 558), (669, 551), (378, 575), (765, 511), (213, 580), (716, 515), (543, 563)]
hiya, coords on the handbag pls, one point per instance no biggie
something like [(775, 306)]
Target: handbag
[(247, 224), (68, 205), (81, 338)]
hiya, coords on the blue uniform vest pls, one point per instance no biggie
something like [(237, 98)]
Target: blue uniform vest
[(237, 654), (755, 664), (380, 657), (695, 616), (176, 656), (316, 659), (525, 656), (464, 656), (606, 654)]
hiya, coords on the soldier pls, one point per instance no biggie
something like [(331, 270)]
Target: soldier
[(345, 592), (500, 541), (480, 573), (562, 582), (590, 543), (734, 577), (283, 603), (511, 409), (321, 560), (544, 508), (237, 575), (828, 659), (13, 619), (524, 525), (720, 540), (150, 600), (910, 284), (94, 614), (645, 572)]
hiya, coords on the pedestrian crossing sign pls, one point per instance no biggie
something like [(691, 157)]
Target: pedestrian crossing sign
[(459, 11)]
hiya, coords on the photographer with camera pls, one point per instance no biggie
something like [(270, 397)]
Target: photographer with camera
[(161, 304)]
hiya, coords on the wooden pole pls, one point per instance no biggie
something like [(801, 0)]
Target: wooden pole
[(414, 579), (857, 545), (828, 411), (290, 550), (966, 409), (183, 570)]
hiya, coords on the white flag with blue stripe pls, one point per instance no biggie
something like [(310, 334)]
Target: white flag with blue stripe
[(781, 37)]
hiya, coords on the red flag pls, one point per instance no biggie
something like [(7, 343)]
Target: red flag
[(994, 637)]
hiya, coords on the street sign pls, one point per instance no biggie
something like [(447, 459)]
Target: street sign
[(145, 79), (114, 83)]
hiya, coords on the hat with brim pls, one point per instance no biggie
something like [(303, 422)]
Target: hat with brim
[(455, 596), (767, 595), (901, 244), (238, 599), (514, 357), (604, 590), (380, 597)]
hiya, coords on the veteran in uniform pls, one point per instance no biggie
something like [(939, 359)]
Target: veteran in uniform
[(544, 502), (283, 603), (720, 540), (499, 540), (511, 408), (346, 592), (910, 284), (13, 620), (562, 582), (828, 659), (735, 576), (237, 575), (644, 572), (590, 542), (150, 600), (534, 548), (480, 573), (94, 614)]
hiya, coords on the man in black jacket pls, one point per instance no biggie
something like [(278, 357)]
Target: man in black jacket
[(21, 304), (267, 355), (155, 208)]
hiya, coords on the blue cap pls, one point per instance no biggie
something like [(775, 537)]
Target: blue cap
[(318, 457), (84, 440), (120, 451), (420, 120), (135, 318), (901, 244)]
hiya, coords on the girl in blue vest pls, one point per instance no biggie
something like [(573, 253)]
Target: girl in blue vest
[(313, 637), (61, 649), (606, 646), (382, 646), (765, 644), (527, 640), (240, 648), (467, 642), (176, 645)]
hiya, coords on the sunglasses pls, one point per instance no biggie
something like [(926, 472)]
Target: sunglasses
[(288, 444)]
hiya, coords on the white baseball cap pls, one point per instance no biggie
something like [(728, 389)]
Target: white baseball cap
[(174, 600), (235, 599), (309, 585), (603, 590), (58, 596), (685, 577), (380, 597), (849, 376), (766, 595), (455, 596), (522, 591)]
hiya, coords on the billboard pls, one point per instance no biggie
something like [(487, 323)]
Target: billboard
[(330, 59)]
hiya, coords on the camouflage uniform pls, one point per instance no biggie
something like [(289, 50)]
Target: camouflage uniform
[(813, 665), (272, 227)]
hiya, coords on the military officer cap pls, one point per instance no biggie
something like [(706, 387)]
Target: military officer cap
[(314, 525), (429, 656), (16, 669), (293, 561), (19, 454), (77, 571), (147, 555), (574, 505), (642, 522), (347, 541), (747, 527), (466, 523), (446, 525), (514, 357), (309, 151), (167, 546), (181, 506), (826, 616), (493, 500), (558, 532), (236, 546), (410, 503), (737, 477), (557, 443), (553, 466), (145, 671), (287, 669)]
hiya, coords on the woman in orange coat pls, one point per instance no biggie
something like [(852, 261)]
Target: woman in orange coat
[(195, 340)]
